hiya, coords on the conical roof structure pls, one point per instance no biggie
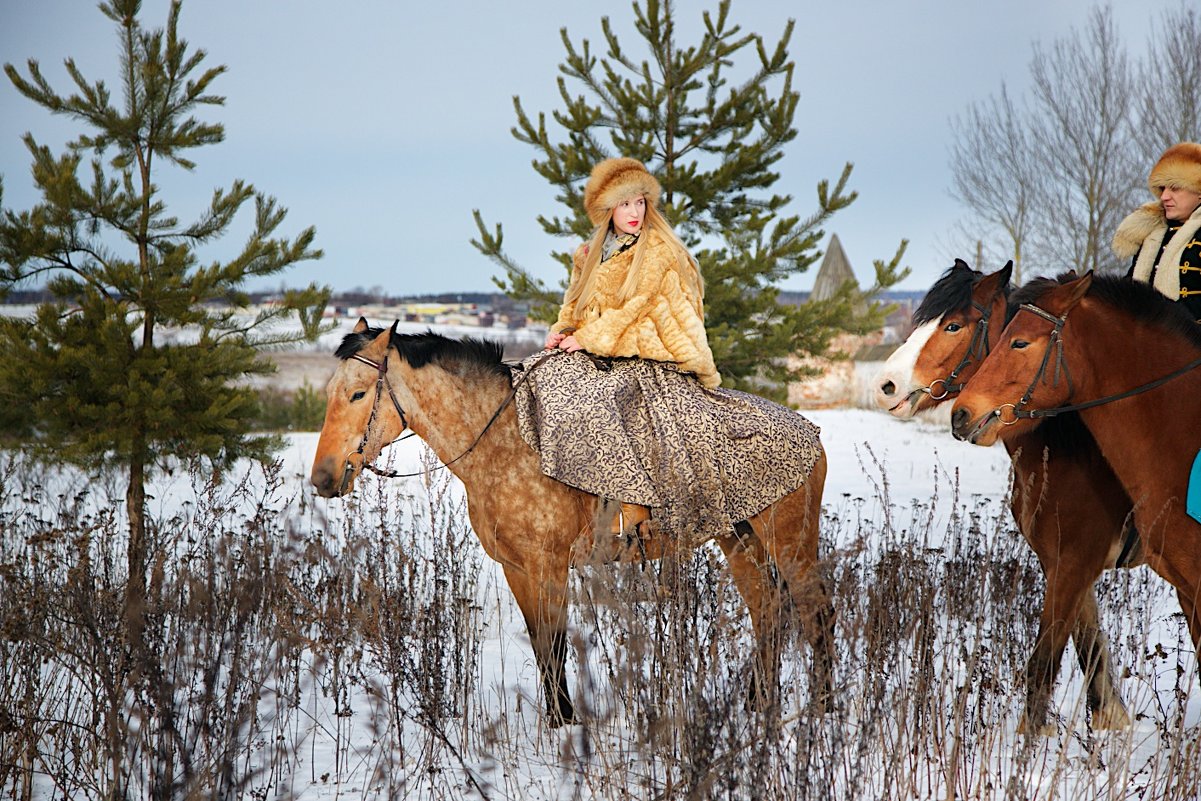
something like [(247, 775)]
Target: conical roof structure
[(833, 273)]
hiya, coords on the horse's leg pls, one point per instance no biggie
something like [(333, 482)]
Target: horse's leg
[(1092, 651), (543, 603), (1181, 565), (748, 563), (1069, 509), (1190, 604), (789, 529), (1069, 607)]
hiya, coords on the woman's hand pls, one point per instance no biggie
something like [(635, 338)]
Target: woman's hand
[(553, 339), (569, 344)]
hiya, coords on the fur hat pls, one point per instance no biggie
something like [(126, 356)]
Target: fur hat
[(1180, 165), (613, 181)]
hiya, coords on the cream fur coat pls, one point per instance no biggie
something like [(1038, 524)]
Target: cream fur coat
[(660, 321)]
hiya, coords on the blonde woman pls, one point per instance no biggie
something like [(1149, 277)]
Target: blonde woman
[(635, 290), (625, 402)]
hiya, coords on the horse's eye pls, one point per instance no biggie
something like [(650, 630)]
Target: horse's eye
[(951, 328), (1018, 344), (357, 396)]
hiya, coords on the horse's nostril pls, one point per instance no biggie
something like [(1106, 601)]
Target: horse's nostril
[(888, 388), (959, 419)]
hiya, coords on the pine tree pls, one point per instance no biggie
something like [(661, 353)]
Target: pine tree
[(713, 145), (133, 362)]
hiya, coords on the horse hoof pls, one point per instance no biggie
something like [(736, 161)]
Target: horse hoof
[(1042, 730), (1111, 718), (563, 716)]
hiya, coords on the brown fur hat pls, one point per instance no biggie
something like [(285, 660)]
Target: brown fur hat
[(613, 181), (1180, 165)]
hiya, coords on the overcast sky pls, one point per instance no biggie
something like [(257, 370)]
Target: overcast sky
[(385, 122)]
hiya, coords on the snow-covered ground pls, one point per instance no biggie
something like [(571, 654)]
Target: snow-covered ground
[(881, 467)]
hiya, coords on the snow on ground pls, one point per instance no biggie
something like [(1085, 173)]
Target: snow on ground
[(884, 467), (881, 465)]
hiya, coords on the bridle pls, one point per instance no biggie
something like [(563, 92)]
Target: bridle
[(977, 348), (1055, 344), (382, 383)]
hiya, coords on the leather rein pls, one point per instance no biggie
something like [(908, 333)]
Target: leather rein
[(1055, 344), (382, 383)]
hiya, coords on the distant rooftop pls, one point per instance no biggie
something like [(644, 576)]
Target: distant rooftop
[(835, 271)]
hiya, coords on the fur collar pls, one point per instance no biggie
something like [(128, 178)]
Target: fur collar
[(1164, 275), (1136, 227)]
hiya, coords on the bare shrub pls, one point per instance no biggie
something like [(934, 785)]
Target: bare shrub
[(369, 649)]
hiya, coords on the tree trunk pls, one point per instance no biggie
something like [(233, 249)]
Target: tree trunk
[(131, 672), (135, 587)]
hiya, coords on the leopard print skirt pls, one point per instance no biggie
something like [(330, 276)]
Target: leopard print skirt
[(643, 432)]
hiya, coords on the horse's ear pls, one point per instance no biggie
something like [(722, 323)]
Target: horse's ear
[(377, 348), (1073, 291), (392, 332), (962, 265), (993, 284), (361, 325), (1007, 271)]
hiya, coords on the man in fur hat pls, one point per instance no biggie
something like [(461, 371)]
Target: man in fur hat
[(1163, 238)]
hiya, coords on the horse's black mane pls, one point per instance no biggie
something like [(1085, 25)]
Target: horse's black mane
[(458, 356), (1140, 300), (950, 293)]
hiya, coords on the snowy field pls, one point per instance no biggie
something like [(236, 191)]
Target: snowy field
[(884, 475), (884, 471)]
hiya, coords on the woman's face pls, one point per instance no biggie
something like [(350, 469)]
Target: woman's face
[(628, 216), (1179, 203)]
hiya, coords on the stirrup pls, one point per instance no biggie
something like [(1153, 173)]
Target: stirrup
[(629, 517)]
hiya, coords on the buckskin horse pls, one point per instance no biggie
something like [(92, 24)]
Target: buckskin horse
[(455, 396), (1125, 358), (1068, 504)]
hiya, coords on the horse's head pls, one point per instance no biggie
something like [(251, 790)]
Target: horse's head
[(362, 414), (1027, 368), (957, 322)]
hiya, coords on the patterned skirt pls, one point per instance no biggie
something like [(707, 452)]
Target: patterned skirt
[(642, 432)]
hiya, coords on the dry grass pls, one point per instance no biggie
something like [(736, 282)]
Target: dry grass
[(373, 655)]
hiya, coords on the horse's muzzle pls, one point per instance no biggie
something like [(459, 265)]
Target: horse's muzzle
[(967, 429), (332, 479)]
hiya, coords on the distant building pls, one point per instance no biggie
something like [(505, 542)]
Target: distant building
[(835, 271), (841, 382)]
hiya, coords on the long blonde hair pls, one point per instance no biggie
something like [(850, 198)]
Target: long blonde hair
[(581, 292)]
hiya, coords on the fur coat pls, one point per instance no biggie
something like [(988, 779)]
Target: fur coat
[(660, 321), (1175, 268)]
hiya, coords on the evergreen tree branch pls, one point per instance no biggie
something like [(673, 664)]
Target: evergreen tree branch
[(713, 147)]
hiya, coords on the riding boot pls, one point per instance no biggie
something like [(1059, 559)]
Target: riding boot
[(631, 516)]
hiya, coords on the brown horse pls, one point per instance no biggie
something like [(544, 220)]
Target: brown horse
[(1124, 356), (1066, 500), (454, 395)]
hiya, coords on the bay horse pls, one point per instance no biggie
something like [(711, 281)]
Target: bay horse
[(1066, 501), (1125, 358), (455, 396)]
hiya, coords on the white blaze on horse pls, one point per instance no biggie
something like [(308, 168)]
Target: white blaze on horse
[(1067, 502), (455, 395)]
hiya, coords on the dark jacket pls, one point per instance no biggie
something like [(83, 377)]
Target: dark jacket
[(1164, 253)]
